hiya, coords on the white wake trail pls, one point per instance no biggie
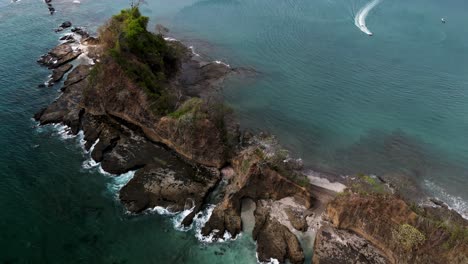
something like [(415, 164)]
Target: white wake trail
[(360, 19)]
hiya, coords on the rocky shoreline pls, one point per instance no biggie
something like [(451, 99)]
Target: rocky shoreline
[(182, 153)]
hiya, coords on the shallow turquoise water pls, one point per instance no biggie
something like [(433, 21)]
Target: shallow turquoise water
[(345, 102)]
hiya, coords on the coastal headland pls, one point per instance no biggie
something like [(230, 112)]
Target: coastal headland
[(148, 104)]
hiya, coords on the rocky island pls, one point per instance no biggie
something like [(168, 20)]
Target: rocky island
[(150, 105)]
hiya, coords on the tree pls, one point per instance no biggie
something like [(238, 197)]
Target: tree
[(136, 3)]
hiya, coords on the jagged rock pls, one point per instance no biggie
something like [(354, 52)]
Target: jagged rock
[(66, 109), (58, 73), (67, 37), (297, 219), (80, 31), (333, 246), (254, 181), (168, 183), (58, 56), (275, 240), (66, 24)]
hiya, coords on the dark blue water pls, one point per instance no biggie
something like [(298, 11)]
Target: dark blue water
[(345, 102)]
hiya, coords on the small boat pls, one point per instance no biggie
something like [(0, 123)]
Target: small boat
[(442, 20)]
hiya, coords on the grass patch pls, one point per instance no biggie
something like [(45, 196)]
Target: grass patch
[(193, 105), (373, 183)]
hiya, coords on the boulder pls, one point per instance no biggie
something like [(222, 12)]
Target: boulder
[(66, 24)]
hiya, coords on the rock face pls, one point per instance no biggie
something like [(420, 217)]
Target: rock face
[(198, 140), (334, 246), (175, 186), (254, 181), (274, 240), (58, 73), (426, 235), (67, 109)]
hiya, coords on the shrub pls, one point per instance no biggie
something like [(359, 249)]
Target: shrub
[(409, 236)]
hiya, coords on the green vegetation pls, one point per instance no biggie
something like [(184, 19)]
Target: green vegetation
[(366, 185), (192, 106), (457, 233), (145, 58), (409, 236), (270, 153)]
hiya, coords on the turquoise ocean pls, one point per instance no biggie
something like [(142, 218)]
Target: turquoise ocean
[(395, 103)]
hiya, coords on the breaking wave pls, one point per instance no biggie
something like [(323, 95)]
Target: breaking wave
[(454, 202)]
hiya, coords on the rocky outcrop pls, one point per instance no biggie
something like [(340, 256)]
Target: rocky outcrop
[(336, 246), (67, 109), (404, 234), (297, 218), (59, 56), (58, 73), (274, 240), (251, 178), (168, 183)]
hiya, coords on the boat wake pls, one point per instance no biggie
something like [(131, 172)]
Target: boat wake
[(360, 18)]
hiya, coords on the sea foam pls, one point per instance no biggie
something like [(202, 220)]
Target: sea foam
[(454, 202)]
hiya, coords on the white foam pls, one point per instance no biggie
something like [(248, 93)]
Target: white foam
[(192, 49), (93, 146), (271, 261), (64, 131), (178, 217), (199, 222), (223, 63), (455, 203), (169, 39), (360, 19), (119, 181)]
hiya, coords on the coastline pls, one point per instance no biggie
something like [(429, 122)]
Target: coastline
[(276, 215)]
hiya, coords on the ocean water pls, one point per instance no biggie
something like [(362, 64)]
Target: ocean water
[(393, 103)]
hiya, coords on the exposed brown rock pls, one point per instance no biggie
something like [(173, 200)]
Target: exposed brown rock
[(274, 240), (382, 219), (255, 181), (297, 219), (336, 246)]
